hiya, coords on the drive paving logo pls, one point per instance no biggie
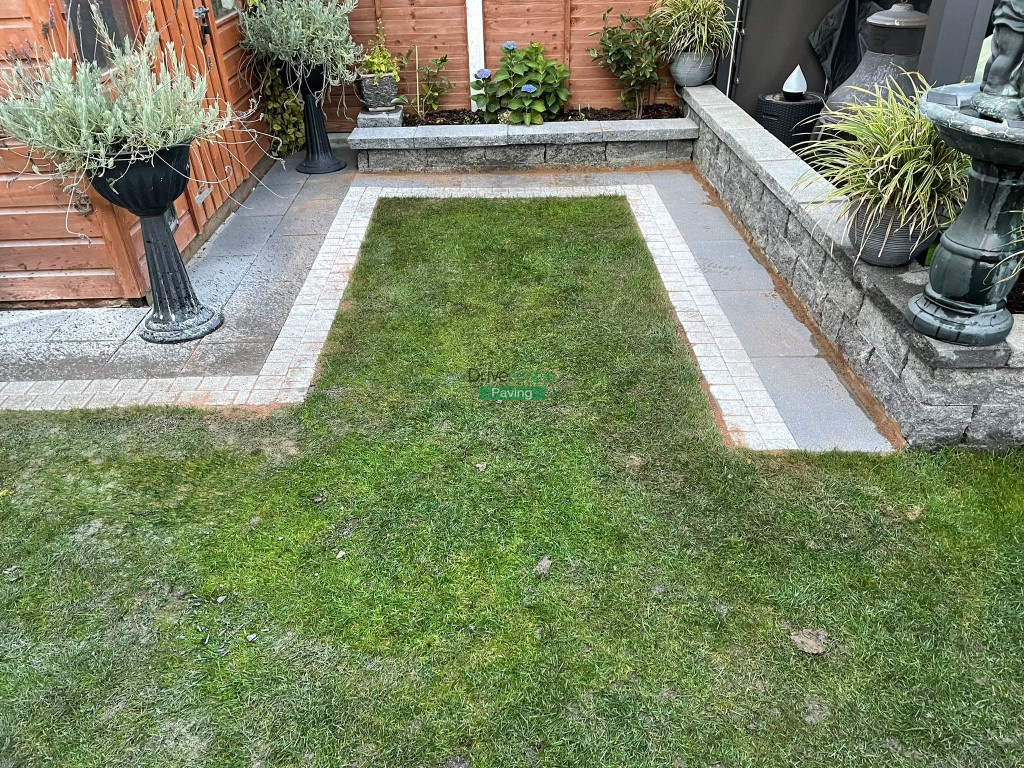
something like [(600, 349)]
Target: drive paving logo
[(512, 385)]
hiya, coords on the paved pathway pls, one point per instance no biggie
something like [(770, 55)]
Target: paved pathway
[(279, 268)]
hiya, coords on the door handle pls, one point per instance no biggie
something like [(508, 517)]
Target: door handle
[(200, 14)]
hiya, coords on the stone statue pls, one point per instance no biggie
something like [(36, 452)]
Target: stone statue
[(1003, 88)]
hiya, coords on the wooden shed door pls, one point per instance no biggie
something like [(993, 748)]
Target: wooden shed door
[(216, 172)]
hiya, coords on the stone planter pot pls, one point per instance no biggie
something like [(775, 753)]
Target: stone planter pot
[(690, 69), (147, 188), (378, 93), (888, 245)]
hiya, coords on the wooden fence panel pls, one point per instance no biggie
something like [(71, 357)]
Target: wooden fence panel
[(564, 27)]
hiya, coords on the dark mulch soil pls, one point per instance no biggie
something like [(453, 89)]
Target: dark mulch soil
[(468, 117)]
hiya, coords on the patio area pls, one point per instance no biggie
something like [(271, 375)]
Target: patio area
[(280, 265)]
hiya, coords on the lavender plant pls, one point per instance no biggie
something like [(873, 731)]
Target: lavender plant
[(304, 35), (80, 118)]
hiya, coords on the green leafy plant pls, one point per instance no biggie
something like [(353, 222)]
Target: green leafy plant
[(282, 111), (304, 35), (888, 165), (80, 118), (633, 51), (527, 88), (432, 85), (379, 61), (693, 26)]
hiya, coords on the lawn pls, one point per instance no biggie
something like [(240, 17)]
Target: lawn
[(398, 573)]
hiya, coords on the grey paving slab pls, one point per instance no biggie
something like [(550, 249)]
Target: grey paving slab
[(309, 217), (819, 411), (702, 221), (765, 325), (215, 276), (45, 360), (243, 237), (323, 191), (729, 265), (227, 358), (267, 201), (676, 187), (137, 359), (256, 311), (29, 325), (284, 188), (285, 258), (99, 324)]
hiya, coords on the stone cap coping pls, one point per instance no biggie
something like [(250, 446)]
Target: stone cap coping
[(581, 132), (798, 186)]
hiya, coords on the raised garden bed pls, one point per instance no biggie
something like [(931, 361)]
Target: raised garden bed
[(469, 117), (590, 143), (940, 393)]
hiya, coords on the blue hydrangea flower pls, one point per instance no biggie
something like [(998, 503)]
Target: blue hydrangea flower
[(483, 74), (509, 46), (529, 89)]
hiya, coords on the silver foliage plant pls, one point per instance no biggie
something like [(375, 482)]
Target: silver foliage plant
[(80, 117), (303, 35)]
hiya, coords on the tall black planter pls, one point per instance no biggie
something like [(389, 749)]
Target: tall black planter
[(319, 157), (147, 188)]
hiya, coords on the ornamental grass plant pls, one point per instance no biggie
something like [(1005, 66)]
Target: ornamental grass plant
[(888, 165), (694, 26), (79, 117)]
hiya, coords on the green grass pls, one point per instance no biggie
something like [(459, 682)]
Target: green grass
[(658, 638)]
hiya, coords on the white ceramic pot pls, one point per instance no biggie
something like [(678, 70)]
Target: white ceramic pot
[(690, 69)]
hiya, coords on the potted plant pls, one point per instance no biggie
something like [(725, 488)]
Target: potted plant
[(696, 32), (898, 182), (310, 40), (127, 129), (379, 74)]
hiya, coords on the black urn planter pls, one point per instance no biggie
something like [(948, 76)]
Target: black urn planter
[(147, 188), (319, 156)]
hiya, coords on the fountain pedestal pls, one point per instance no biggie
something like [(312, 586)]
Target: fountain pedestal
[(975, 265)]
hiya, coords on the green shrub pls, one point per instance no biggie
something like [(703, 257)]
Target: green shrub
[(633, 51), (433, 84), (304, 35), (80, 117), (527, 88), (282, 111), (694, 26)]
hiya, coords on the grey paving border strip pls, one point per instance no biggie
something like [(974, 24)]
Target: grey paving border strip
[(747, 409)]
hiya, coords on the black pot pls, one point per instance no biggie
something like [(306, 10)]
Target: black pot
[(148, 188), (319, 156)]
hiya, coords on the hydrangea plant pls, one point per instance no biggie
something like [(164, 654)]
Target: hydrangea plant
[(527, 89)]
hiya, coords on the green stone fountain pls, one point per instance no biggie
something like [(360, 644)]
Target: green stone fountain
[(975, 266)]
